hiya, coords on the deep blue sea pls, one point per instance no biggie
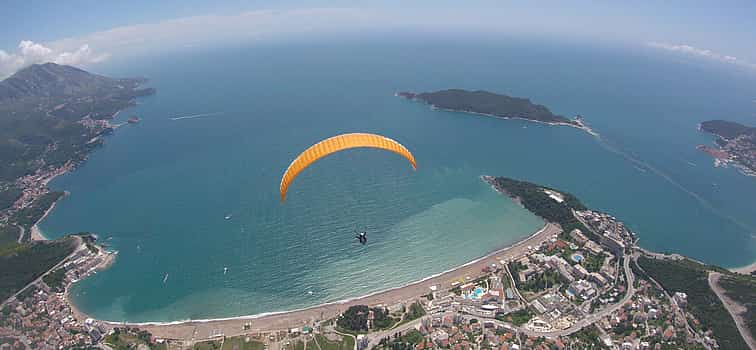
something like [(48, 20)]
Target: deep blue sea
[(158, 191)]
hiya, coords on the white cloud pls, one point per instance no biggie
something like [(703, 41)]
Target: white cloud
[(694, 51), (186, 32), (216, 29), (29, 53)]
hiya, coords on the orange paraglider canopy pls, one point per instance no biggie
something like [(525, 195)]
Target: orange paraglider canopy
[(336, 144)]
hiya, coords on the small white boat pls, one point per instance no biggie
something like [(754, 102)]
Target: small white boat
[(227, 217), (225, 269), (165, 278)]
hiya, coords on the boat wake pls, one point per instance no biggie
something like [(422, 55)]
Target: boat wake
[(640, 164), (192, 116)]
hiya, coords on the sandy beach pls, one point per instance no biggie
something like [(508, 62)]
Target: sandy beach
[(202, 329), (104, 264), (36, 233), (746, 270)]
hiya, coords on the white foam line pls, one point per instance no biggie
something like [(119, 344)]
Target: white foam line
[(337, 302), (640, 163), (192, 116)]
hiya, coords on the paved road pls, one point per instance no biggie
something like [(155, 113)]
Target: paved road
[(731, 306), (585, 321), (592, 318), (79, 246), (375, 338)]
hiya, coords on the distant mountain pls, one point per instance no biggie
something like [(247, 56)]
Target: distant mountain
[(54, 80), (51, 114)]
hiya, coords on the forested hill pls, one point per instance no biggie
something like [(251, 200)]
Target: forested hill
[(51, 117), (488, 103), (738, 141), (41, 112), (727, 129), (53, 80), (535, 199)]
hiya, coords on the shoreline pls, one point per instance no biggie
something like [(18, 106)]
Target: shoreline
[(36, 233), (103, 265), (581, 125), (745, 270), (277, 320)]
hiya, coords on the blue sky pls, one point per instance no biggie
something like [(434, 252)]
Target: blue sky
[(720, 31)]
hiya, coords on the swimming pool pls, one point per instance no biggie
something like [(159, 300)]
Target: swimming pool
[(477, 293)]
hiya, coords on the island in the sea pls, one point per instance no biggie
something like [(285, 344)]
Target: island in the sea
[(494, 105), (736, 144)]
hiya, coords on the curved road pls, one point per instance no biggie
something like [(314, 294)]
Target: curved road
[(585, 321), (79, 246), (731, 306), (592, 318)]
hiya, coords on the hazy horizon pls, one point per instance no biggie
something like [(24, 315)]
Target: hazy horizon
[(88, 34)]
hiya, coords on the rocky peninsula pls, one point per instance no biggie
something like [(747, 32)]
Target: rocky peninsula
[(736, 145)]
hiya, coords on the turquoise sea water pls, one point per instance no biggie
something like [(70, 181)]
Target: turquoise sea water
[(158, 191)]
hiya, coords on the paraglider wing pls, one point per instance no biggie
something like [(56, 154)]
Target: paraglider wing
[(336, 144)]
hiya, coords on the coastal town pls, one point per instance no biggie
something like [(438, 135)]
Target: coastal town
[(736, 145), (84, 107), (554, 290), (442, 260), (40, 316)]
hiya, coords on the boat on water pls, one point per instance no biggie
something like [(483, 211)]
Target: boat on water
[(227, 217), (165, 278)]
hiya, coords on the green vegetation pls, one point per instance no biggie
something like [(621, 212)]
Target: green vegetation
[(8, 238), (727, 129), (518, 318), (692, 278), (355, 319), (415, 311), (738, 140), (241, 343), (89, 241), (29, 261), (406, 341), (131, 338), (29, 216), (207, 345), (742, 289), (40, 110), (412, 336), (592, 262), (9, 196), (541, 282), (588, 337), (534, 199), (488, 103), (55, 279), (346, 343)]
